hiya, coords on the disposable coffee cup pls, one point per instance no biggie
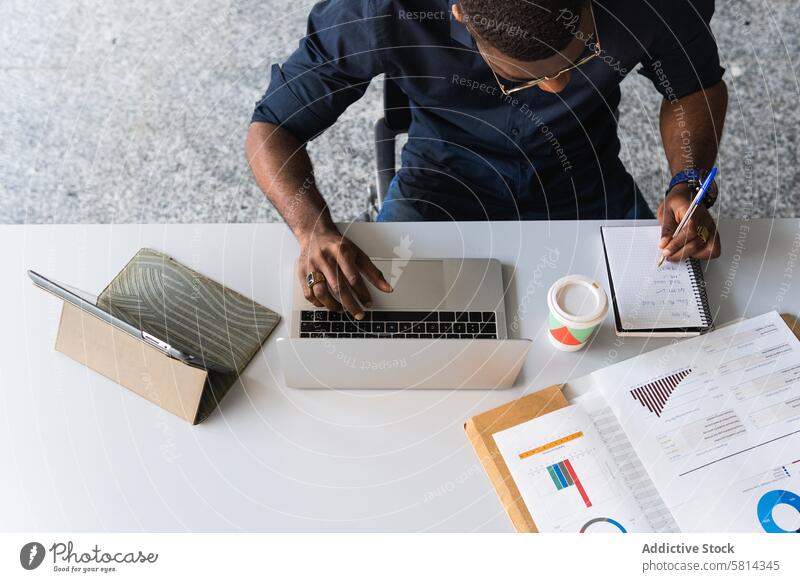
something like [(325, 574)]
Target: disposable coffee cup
[(577, 307)]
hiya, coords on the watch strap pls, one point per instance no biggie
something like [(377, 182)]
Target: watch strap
[(695, 178)]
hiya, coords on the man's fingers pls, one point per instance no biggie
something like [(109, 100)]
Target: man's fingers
[(348, 298), (689, 244), (668, 225), (308, 293), (372, 273), (337, 286), (690, 249), (324, 296), (715, 249), (349, 269), (312, 299), (712, 248), (323, 291), (680, 240), (675, 250)]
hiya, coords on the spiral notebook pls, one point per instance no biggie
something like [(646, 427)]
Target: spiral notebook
[(648, 300)]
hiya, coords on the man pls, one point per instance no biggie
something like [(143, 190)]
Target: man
[(514, 107)]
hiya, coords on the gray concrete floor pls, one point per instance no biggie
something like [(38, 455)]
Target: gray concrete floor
[(137, 111)]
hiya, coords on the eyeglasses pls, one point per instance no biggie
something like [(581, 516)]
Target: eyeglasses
[(596, 51)]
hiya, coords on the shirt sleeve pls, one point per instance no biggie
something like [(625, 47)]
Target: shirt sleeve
[(683, 56), (331, 69)]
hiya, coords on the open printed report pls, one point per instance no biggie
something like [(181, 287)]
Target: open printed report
[(699, 436)]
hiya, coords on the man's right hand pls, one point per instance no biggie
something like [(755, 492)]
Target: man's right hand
[(344, 266), (282, 168)]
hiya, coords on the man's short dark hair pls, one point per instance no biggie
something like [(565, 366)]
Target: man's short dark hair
[(526, 30)]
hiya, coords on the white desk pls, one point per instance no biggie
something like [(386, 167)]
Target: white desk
[(78, 453)]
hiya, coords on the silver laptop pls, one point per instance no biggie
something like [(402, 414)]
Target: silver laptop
[(444, 326)]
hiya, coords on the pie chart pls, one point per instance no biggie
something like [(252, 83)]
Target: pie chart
[(769, 501), (596, 520)]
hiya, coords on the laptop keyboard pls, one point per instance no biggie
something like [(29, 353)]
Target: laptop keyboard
[(400, 324)]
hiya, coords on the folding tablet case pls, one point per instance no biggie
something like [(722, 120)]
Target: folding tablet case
[(193, 313)]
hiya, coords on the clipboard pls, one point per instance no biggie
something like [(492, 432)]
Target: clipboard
[(481, 428)]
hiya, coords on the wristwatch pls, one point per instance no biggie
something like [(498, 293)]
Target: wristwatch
[(695, 178)]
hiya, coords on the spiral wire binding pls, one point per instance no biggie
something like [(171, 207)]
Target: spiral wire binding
[(699, 288)]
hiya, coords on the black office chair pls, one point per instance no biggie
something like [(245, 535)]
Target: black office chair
[(395, 121)]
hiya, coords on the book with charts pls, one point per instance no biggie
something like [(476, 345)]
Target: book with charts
[(699, 436), (650, 300)]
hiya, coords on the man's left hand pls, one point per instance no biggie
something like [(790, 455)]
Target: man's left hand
[(688, 243)]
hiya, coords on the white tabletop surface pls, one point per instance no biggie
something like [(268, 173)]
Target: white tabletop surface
[(79, 453)]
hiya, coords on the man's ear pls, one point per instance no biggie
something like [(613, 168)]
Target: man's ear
[(457, 12)]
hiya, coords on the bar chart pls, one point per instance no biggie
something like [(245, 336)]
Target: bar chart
[(654, 395), (563, 476), (566, 474)]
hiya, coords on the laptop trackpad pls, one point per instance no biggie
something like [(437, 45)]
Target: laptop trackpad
[(417, 285)]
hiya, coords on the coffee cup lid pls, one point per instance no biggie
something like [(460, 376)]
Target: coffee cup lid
[(577, 299)]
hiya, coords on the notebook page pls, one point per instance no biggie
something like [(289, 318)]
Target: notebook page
[(649, 297)]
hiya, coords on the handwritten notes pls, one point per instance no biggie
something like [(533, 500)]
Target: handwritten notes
[(648, 297)]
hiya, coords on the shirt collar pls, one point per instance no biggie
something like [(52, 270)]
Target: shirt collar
[(459, 32)]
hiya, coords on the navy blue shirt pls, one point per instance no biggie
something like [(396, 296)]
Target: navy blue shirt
[(501, 156)]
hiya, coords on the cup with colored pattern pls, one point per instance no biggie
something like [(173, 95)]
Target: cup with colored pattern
[(577, 306)]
